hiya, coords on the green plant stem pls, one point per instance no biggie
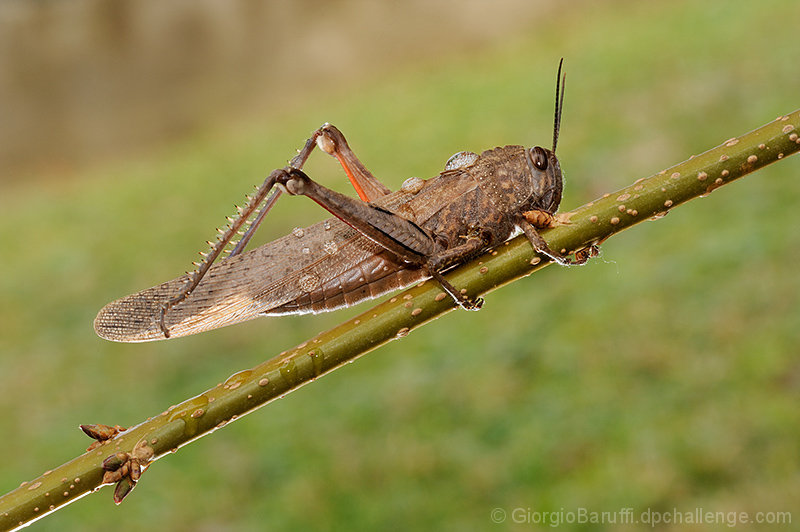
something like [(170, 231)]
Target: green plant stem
[(250, 389)]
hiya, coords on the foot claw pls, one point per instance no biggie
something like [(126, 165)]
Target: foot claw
[(473, 304), (582, 256)]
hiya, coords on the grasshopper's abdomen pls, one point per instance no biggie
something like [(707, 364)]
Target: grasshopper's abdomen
[(375, 276)]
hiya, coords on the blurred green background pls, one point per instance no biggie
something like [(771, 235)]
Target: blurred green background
[(664, 375)]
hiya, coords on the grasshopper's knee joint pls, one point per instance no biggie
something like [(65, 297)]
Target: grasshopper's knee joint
[(330, 140), (325, 142), (295, 186), (293, 182)]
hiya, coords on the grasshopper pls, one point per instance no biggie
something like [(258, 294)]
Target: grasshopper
[(376, 244)]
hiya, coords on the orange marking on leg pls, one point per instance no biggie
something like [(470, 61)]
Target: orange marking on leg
[(352, 178)]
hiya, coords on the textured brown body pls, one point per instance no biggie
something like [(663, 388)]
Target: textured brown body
[(328, 265)]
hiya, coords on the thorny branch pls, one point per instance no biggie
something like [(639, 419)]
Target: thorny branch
[(120, 456)]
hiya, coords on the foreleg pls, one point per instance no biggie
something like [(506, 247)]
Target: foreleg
[(530, 220)]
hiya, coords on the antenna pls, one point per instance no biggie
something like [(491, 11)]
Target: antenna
[(559, 103)]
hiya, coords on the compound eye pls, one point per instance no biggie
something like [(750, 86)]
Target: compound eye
[(539, 158)]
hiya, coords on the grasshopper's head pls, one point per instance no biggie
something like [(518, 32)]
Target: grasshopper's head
[(546, 181), (546, 178)]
